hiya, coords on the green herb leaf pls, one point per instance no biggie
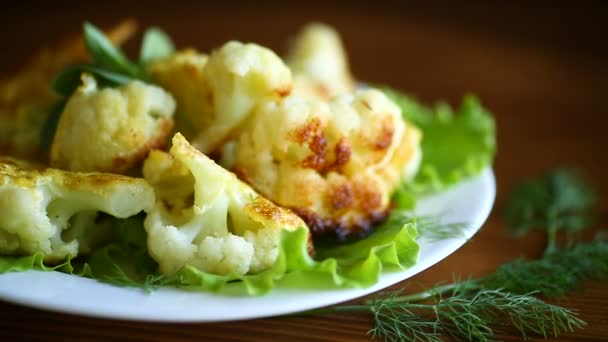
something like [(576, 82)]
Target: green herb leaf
[(71, 78), (156, 44), (47, 133), (106, 55)]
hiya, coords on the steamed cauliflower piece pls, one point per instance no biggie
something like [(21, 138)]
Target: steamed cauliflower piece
[(54, 211), (218, 92), (111, 129), (335, 164), (206, 218), (319, 63)]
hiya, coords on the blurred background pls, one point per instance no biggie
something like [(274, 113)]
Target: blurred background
[(521, 58)]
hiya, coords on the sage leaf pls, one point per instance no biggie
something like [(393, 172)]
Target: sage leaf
[(105, 54), (67, 81)]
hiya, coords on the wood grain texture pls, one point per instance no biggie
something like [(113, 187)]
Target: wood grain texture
[(541, 69)]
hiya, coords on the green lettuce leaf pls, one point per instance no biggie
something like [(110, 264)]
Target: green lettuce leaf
[(24, 263), (455, 145), (36, 262), (356, 265), (125, 262)]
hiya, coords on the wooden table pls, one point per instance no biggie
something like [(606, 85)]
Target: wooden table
[(541, 70)]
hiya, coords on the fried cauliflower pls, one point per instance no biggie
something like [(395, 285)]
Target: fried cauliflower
[(218, 93), (54, 212), (26, 99), (207, 218), (319, 63), (333, 163), (111, 129), (182, 75)]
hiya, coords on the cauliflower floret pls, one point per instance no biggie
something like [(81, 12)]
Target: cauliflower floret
[(182, 75), (111, 129), (217, 93), (335, 164), (49, 210), (266, 251), (206, 218), (26, 99), (319, 64)]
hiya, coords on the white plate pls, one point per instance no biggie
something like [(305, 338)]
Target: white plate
[(470, 202)]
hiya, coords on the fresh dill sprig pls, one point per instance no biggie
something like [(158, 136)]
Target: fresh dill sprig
[(478, 309), (125, 261), (553, 275), (556, 273), (557, 201), (430, 227), (150, 283), (467, 316), (478, 317)]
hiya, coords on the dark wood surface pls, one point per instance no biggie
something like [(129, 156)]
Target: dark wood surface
[(541, 69)]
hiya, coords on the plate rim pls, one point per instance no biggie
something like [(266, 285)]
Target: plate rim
[(334, 296)]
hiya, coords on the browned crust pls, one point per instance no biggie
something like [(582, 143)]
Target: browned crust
[(355, 208), (385, 138), (339, 228), (305, 133), (342, 196), (345, 198), (273, 212), (312, 134), (343, 153), (354, 195), (281, 215), (96, 180), (26, 172)]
